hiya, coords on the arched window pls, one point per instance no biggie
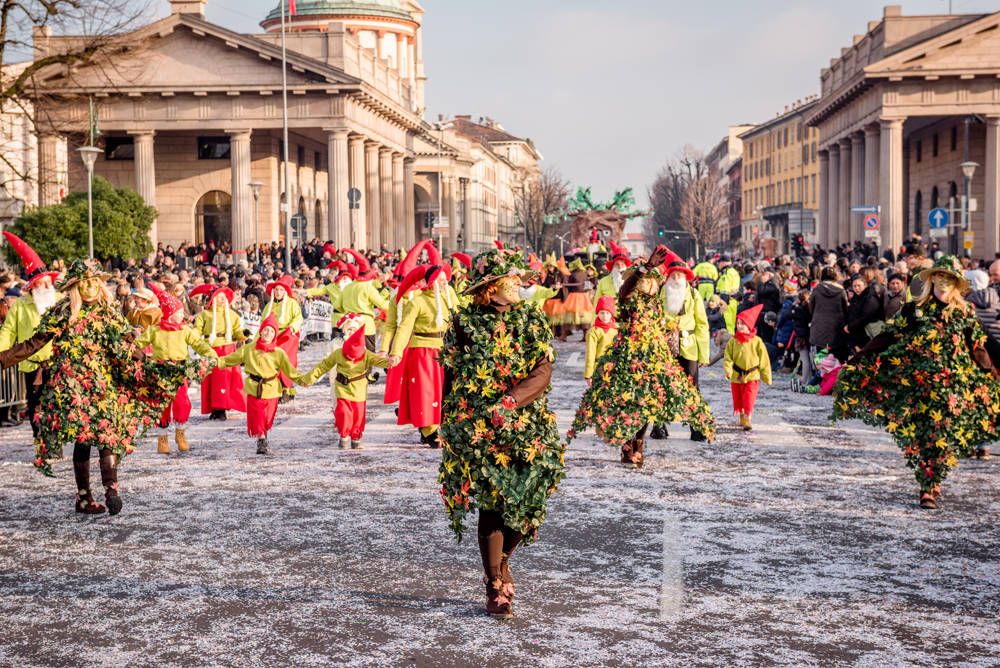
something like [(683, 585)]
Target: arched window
[(318, 219), (934, 197), (918, 213), (213, 218)]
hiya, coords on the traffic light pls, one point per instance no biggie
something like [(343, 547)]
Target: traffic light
[(660, 231), (798, 244)]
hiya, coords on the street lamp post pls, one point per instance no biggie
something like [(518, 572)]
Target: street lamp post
[(968, 169), (89, 156), (562, 239), (255, 187)]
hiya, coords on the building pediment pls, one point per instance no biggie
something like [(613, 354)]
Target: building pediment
[(968, 50), (183, 53)]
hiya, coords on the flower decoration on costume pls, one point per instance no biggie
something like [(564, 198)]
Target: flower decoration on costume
[(497, 263)]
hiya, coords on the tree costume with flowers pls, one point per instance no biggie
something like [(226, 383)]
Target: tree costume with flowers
[(502, 452), (928, 380), (220, 325), (638, 380), (102, 392)]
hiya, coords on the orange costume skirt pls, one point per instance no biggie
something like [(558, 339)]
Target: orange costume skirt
[(578, 309)]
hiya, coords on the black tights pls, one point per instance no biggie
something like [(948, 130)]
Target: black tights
[(496, 542)]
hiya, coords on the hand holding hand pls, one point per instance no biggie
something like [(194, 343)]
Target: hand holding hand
[(393, 360), (590, 382)]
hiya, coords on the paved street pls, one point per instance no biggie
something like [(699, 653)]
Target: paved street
[(801, 543)]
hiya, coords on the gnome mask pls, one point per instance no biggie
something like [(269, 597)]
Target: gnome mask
[(43, 294), (675, 290)]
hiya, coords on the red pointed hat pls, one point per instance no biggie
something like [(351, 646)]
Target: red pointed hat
[(270, 321), (463, 259), (411, 259), (618, 254), (212, 290), (675, 263), (34, 268), (749, 317), (285, 281), (168, 303), (354, 346), (605, 303), (415, 276), (364, 268)]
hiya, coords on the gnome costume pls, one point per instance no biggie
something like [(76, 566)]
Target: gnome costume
[(221, 327), (746, 363)]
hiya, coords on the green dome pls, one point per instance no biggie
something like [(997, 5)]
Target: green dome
[(391, 9)]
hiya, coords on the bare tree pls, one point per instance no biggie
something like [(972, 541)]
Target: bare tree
[(535, 204), (688, 201), (705, 209)]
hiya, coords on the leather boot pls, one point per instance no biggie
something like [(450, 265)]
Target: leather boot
[(356, 444), (162, 444), (497, 605), (84, 497), (182, 442), (262, 445), (433, 440), (345, 442), (109, 478), (658, 433)]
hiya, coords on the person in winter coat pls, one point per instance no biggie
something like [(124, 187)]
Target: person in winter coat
[(800, 316), (986, 300), (864, 308), (746, 365), (828, 311), (769, 292), (785, 326), (894, 296)]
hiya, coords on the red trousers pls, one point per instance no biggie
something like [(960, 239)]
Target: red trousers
[(260, 415), (350, 418), (179, 409), (745, 396), (223, 388)]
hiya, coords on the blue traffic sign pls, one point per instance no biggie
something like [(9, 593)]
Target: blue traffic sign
[(866, 209), (938, 218), (871, 222)]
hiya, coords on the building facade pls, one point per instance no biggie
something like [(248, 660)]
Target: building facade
[(780, 175), (892, 119), (724, 162), (191, 116)]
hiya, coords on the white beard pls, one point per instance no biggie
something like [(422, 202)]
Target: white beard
[(616, 278), (675, 293), (44, 298), (343, 283), (527, 292)]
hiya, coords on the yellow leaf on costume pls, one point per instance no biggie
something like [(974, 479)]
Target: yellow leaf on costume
[(895, 361), (879, 412), (935, 415), (941, 443), (936, 348), (501, 458), (904, 381)]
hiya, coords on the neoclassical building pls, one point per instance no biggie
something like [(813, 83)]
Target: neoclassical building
[(892, 120), (191, 115)]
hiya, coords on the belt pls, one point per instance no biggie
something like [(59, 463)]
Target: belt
[(430, 335), (344, 380), (705, 279), (744, 372), (260, 382)]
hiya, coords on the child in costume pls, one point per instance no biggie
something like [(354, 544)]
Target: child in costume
[(352, 363), (219, 324), (746, 364), (263, 360), (170, 339), (601, 335), (288, 315)]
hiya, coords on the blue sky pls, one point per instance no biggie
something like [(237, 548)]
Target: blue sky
[(610, 89)]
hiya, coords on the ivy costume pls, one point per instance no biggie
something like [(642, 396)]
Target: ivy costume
[(222, 328), (638, 381), (928, 380), (502, 452), (102, 392)]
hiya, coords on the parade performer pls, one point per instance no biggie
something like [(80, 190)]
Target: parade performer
[(639, 381), (220, 325), (352, 362), (288, 313), (609, 285), (927, 379), (553, 306), (421, 329), (264, 363), (103, 392), (362, 296), (393, 314), (578, 309), (22, 321), (746, 364), (502, 450), (170, 339), (687, 326), (460, 265), (601, 336)]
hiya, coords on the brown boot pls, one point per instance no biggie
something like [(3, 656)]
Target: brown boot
[(497, 605), (182, 442), (84, 497), (162, 445), (927, 501), (109, 478)]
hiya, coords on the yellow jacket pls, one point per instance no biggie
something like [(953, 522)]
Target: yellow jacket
[(389, 328), (751, 357), (363, 298), (287, 311), (173, 345), (606, 287), (598, 341), (203, 326), (21, 323), (257, 363), (356, 390), (541, 295), (420, 315), (693, 325)]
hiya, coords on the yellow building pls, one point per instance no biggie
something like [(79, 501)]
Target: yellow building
[(780, 181)]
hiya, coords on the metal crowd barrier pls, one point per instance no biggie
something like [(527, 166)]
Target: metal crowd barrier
[(13, 391)]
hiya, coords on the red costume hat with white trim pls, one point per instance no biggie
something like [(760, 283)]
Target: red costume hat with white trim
[(168, 303), (618, 254), (348, 317), (354, 346), (212, 290), (675, 263), (286, 281), (34, 268)]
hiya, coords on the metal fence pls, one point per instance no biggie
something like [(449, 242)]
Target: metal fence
[(12, 389)]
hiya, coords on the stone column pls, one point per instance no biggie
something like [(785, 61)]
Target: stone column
[(374, 237), (990, 243), (453, 223), (242, 207), (857, 195), (385, 195), (48, 169), (844, 206), (145, 175), (891, 183), (871, 165), (824, 197), (833, 196), (398, 202), (359, 218), (338, 183), (409, 212)]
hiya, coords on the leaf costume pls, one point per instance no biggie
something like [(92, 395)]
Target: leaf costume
[(638, 381), (498, 459), (99, 394), (921, 381)]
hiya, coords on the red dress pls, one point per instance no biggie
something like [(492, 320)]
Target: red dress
[(223, 388)]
